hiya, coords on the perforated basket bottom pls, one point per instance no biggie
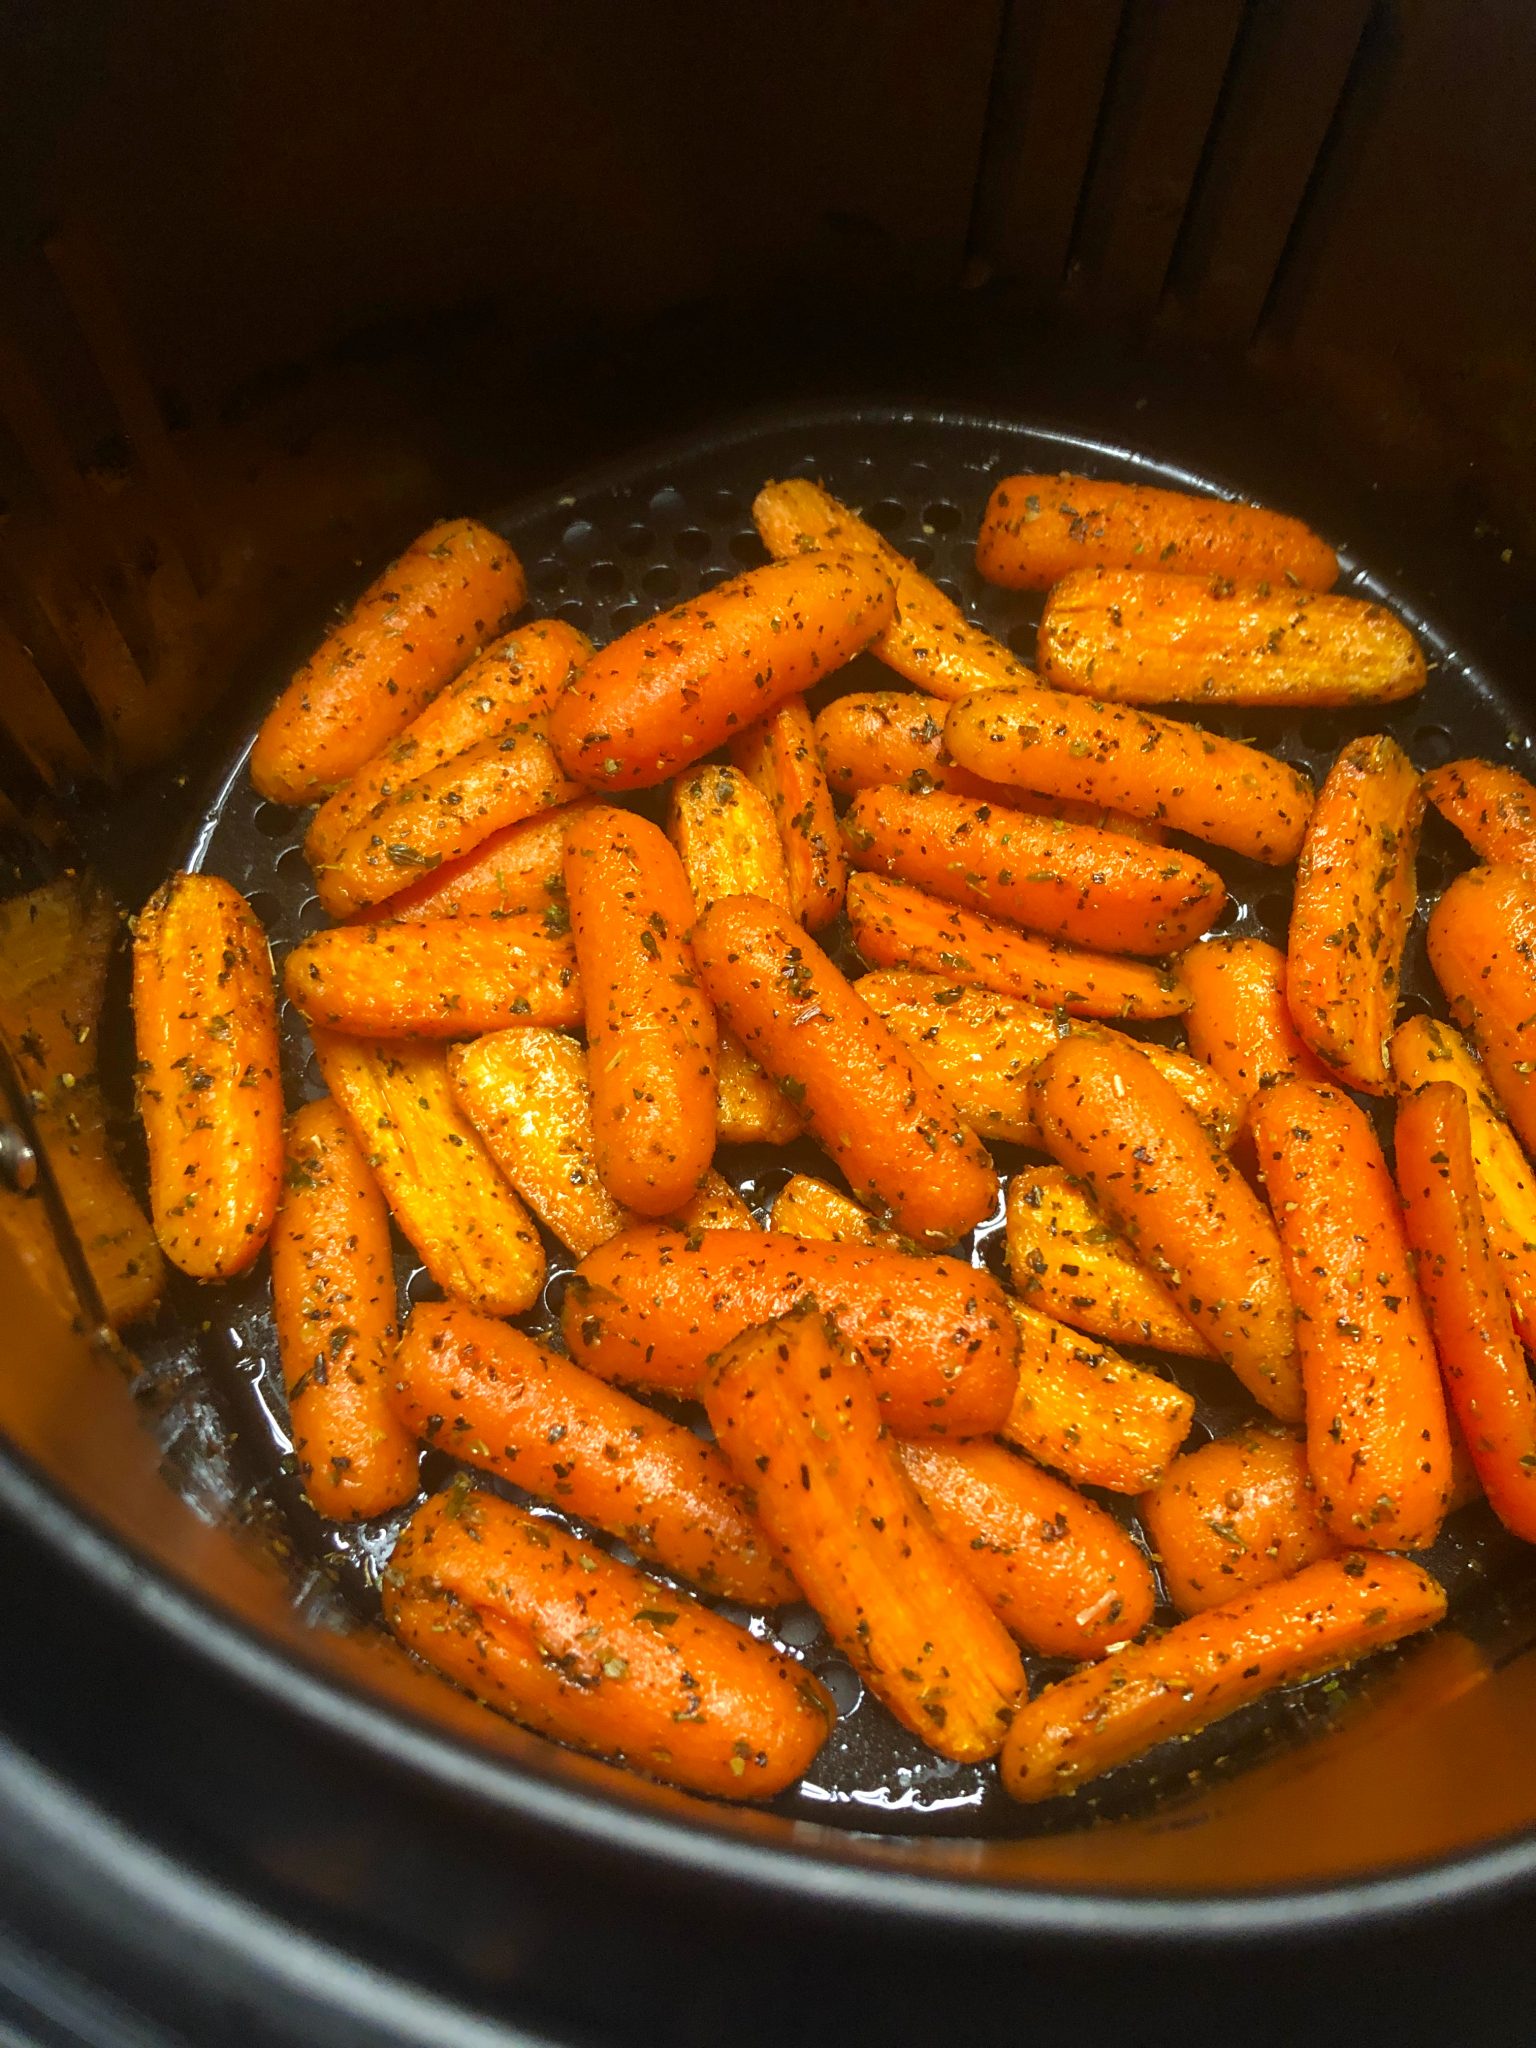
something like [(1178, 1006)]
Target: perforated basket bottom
[(623, 543)]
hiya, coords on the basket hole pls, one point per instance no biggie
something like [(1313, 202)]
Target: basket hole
[(1022, 640), (266, 907), (580, 540), (949, 587), (799, 1627), (1431, 746), (574, 612), (667, 503), (637, 540), (746, 547), (1273, 910), (292, 865), (422, 1287), (887, 514), (273, 821), (941, 516), (918, 553), (624, 617), (605, 578), (548, 574), (1320, 733), (844, 1684), (660, 582), (692, 543)]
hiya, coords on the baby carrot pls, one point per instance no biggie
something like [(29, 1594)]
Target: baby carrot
[(1235, 1515), (475, 1237), (1377, 1443), (1107, 1115), (490, 1395), (796, 1415), (1330, 1615), (521, 867), (1215, 789), (715, 1205), (447, 977), (1089, 1413), (679, 685), (209, 1092), (896, 925), (808, 1207), (1058, 1572), (1037, 529), (1492, 806), (653, 1306), (1354, 903), (410, 631), (1487, 1379), (1239, 1022), (333, 1299), (1070, 881), (1139, 637), (751, 1109), (558, 1635), (726, 837), (1482, 946), (778, 755), (650, 1030), (889, 1127)]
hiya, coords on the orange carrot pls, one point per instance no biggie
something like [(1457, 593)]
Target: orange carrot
[(1215, 789), (556, 1634), (778, 755), (1332, 1614), (521, 867), (808, 1207), (889, 1127), (1235, 1515), (1492, 806), (716, 1205), (1482, 946), (653, 1306), (1037, 529), (751, 1109), (895, 925), (209, 1092), (446, 977), (410, 631), (796, 1415), (1107, 1115), (1377, 1443), (679, 685), (1354, 903), (650, 1031), (333, 1299), (1239, 1023), (726, 837), (1089, 1413)]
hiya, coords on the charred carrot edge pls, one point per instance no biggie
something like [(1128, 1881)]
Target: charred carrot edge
[(796, 1415), (410, 631), (895, 925), (1492, 807), (496, 1399), (890, 1128), (521, 867), (651, 1036), (726, 837), (1089, 1413), (808, 1207), (1108, 1116), (1037, 529), (475, 1237), (1354, 903), (1068, 1259), (1070, 882), (1239, 1022), (558, 1635), (653, 1306), (1234, 1515), (447, 977), (1217, 790), (674, 688), (778, 755), (1482, 946), (1487, 1379), (751, 1109), (209, 1092), (1377, 1443), (333, 1299), (1138, 637), (1330, 1615)]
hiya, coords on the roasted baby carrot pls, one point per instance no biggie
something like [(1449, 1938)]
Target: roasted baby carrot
[(795, 1413), (1330, 1615), (1071, 882), (1239, 1022), (808, 1207), (1235, 1515), (1217, 790), (491, 1396), (1377, 1443), (1482, 946), (726, 837), (1089, 1413), (750, 1108), (896, 925), (1139, 637), (475, 1237), (558, 1635), (1487, 1378), (333, 1300), (679, 685), (716, 1205), (447, 977), (888, 1125), (521, 867), (410, 631), (778, 755), (1354, 902), (1068, 1260), (1107, 1115), (209, 1092), (1058, 1572), (653, 1306), (1037, 529), (651, 1038), (1492, 806)]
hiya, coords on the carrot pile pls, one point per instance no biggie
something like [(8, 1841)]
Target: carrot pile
[(543, 1015)]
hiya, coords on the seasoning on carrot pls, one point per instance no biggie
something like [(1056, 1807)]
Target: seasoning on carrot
[(1089, 1413), (1482, 946), (1235, 1515), (778, 755), (1239, 1022), (726, 837), (1492, 806), (808, 1207), (521, 867), (750, 1108), (446, 977)]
